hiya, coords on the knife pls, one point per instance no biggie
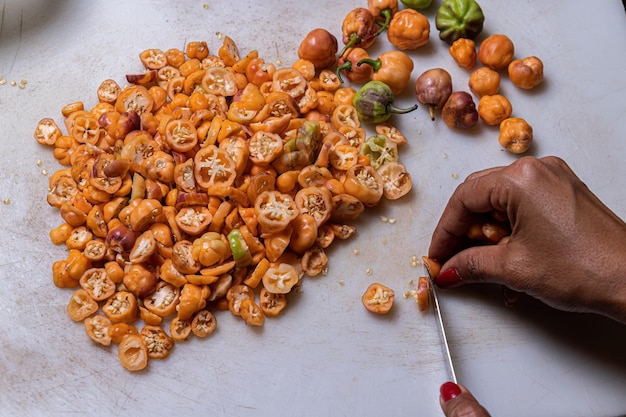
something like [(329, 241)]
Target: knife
[(442, 329)]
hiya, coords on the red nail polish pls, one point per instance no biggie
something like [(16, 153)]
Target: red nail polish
[(449, 278), (449, 390)]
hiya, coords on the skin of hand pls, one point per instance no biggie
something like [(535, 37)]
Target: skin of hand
[(457, 401), (566, 247)]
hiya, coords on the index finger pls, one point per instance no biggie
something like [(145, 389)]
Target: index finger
[(473, 197)]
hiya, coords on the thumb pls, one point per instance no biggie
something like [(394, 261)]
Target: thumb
[(474, 264), (457, 401)]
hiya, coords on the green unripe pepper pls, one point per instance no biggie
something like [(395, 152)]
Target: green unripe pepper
[(300, 151), (380, 150), (459, 19), (239, 248), (374, 103), (417, 4)]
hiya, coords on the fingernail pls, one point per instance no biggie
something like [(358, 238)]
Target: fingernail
[(449, 390), (449, 278)]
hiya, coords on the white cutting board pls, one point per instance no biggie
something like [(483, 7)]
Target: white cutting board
[(325, 356)]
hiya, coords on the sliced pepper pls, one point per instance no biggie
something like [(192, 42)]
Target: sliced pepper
[(280, 279), (380, 150), (239, 248)]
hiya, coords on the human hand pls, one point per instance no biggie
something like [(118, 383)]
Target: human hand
[(566, 247), (457, 401)]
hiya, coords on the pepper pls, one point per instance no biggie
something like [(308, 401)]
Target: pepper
[(374, 102), (459, 19), (526, 73), (516, 135), (383, 11), (319, 46), (392, 68), (380, 150), (301, 150), (358, 28), (239, 248), (348, 64), (409, 29), (417, 4)]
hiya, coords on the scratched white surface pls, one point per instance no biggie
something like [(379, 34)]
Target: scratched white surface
[(325, 356)]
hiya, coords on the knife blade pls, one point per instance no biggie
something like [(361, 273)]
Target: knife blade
[(442, 329)]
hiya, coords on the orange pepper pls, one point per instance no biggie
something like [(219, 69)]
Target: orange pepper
[(494, 109), (358, 28), (496, 52), (348, 65), (344, 95), (464, 53), (392, 68), (382, 10), (484, 82), (526, 73), (516, 135), (409, 29)]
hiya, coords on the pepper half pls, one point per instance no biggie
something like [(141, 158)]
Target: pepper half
[(239, 248)]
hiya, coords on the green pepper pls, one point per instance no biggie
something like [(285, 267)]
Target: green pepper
[(459, 19), (417, 4), (374, 103), (301, 150), (380, 150), (239, 248)]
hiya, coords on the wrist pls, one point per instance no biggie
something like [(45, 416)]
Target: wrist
[(614, 279), (616, 306)]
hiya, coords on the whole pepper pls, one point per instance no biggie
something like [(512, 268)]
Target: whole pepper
[(319, 46), (358, 28), (516, 135), (409, 29), (383, 11), (348, 65), (374, 103), (392, 68), (459, 19)]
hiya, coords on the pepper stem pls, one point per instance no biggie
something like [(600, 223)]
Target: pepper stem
[(397, 110), (374, 63), (345, 66), (386, 13), (353, 39), (431, 111)]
